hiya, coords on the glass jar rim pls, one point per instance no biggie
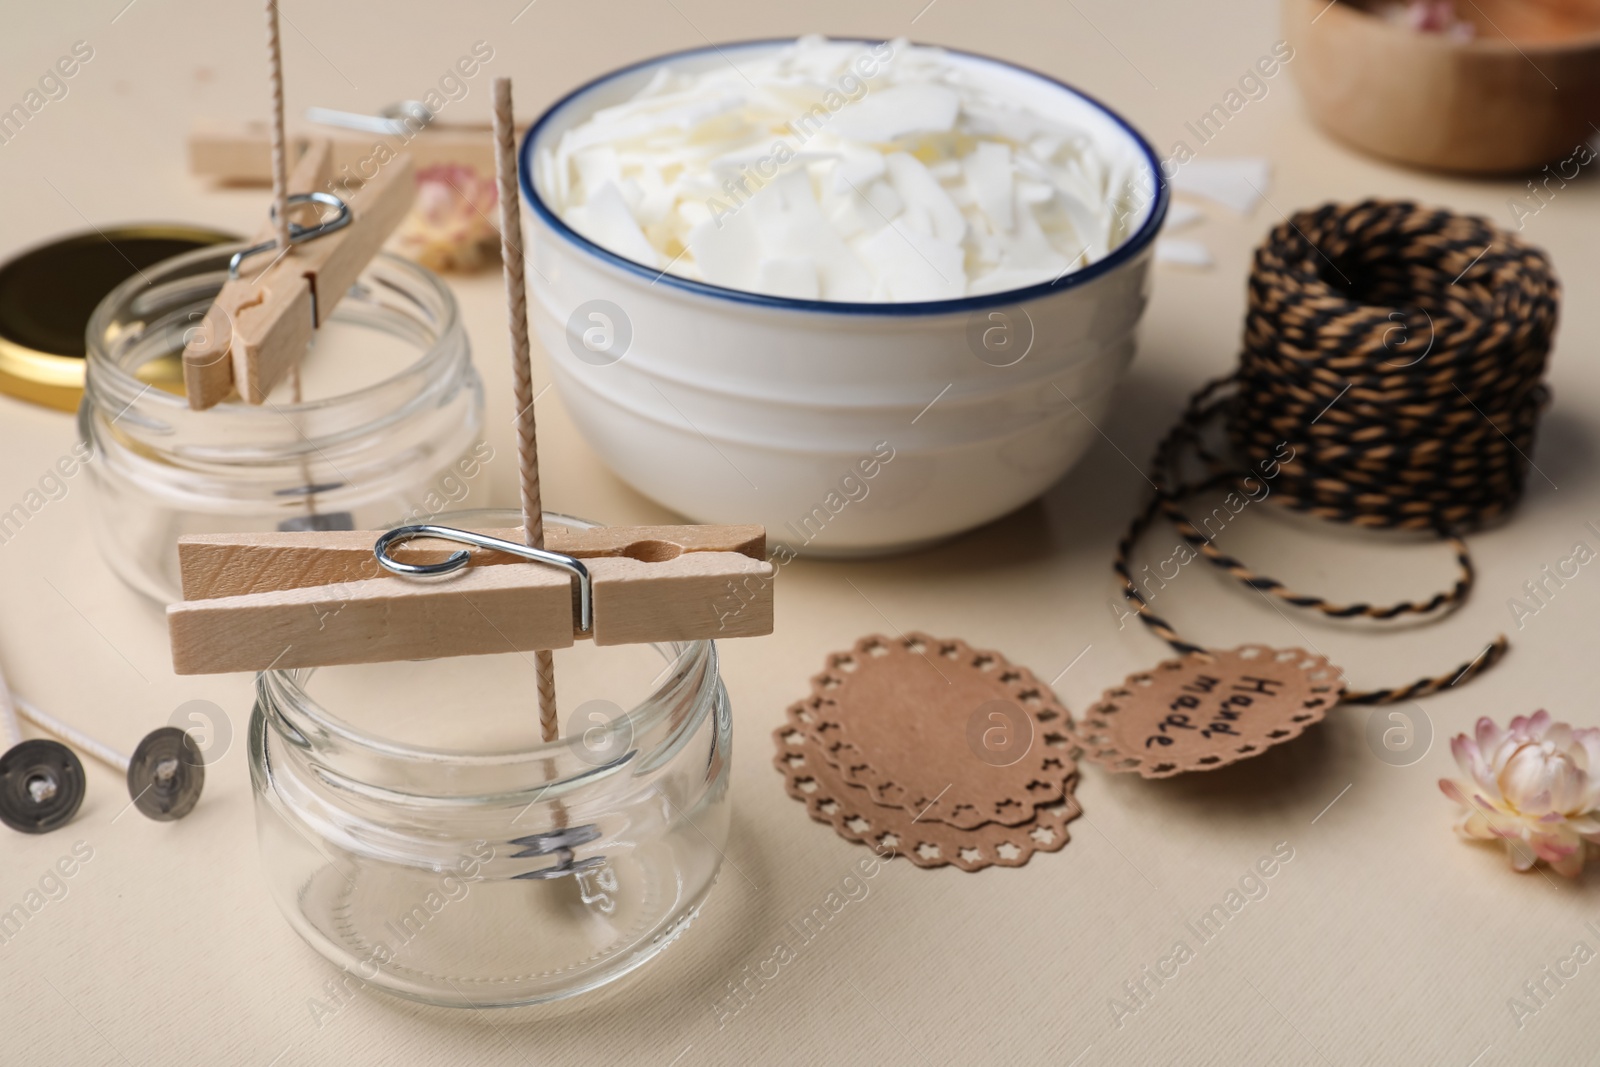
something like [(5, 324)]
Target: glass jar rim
[(104, 371), (694, 663)]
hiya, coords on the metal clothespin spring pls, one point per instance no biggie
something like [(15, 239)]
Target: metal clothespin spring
[(406, 118), (299, 234), (460, 559)]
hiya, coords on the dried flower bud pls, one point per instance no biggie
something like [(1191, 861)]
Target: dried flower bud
[(1532, 786), (451, 226)]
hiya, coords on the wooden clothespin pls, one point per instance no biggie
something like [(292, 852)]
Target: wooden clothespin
[(240, 153), (259, 326), (302, 599)]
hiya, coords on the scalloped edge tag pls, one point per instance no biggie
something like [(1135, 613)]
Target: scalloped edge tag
[(849, 809), (948, 732), (1208, 710)]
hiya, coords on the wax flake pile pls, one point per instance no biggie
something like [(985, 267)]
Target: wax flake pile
[(844, 171)]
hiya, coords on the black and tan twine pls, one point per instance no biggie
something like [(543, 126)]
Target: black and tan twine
[(1391, 377)]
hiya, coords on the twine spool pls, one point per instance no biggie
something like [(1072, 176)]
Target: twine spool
[(1397, 353), (1419, 337)]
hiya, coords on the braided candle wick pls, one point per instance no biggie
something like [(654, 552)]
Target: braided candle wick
[(280, 161), (280, 200), (505, 164)]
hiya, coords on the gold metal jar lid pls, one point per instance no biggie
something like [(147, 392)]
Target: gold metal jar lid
[(48, 292)]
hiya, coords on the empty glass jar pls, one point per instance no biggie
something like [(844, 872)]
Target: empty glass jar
[(387, 430), (416, 831)]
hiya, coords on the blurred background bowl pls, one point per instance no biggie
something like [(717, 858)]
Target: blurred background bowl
[(1521, 92), (846, 429)]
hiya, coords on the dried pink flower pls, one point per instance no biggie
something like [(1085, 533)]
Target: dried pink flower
[(1430, 16), (451, 226), (1534, 786)]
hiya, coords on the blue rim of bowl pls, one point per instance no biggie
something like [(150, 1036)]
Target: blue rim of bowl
[(1124, 252)]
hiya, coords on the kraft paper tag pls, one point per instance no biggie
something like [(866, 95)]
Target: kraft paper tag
[(1205, 711), (947, 732), (925, 842)]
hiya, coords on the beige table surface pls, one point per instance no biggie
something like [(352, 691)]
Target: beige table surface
[(1384, 939)]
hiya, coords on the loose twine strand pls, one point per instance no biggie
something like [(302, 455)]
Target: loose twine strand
[(505, 159), (1391, 378)]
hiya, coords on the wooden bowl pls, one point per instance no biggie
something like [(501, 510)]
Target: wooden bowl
[(1521, 93)]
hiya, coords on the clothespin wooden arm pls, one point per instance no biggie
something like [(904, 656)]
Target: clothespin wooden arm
[(649, 584), (240, 153), (217, 565), (261, 323), (476, 611), (303, 287)]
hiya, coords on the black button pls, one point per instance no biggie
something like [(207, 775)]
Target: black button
[(166, 774), (41, 786)]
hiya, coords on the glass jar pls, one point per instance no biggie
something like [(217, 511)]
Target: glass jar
[(387, 428), (416, 832)]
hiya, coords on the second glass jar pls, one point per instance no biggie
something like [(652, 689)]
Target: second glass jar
[(388, 430)]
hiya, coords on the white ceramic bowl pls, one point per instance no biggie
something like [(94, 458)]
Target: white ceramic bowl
[(845, 429)]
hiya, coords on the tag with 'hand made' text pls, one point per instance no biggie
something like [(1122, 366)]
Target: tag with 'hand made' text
[(1207, 710)]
